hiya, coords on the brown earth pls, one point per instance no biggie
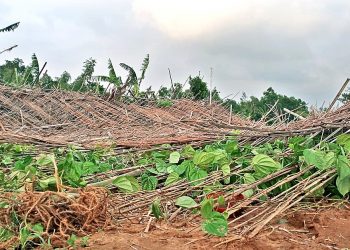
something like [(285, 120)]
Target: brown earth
[(306, 229)]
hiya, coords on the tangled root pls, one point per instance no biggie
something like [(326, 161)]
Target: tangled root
[(61, 214)]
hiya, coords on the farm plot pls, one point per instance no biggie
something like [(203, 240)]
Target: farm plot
[(230, 179)]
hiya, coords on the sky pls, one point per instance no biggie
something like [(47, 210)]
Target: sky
[(298, 47)]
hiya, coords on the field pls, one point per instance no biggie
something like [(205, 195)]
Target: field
[(78, 171)]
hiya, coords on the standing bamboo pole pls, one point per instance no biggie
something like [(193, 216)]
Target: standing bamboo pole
[(211, 85)]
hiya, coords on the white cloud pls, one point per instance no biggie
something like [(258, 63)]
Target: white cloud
[(192, 18)]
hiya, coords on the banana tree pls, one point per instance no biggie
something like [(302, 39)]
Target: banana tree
[(114, 81), (117, 86), (11, 27), (30, 75)]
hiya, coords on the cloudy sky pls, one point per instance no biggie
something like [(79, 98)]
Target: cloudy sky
[(298, 47)]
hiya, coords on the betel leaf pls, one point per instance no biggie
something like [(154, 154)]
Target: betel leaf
[(174, 157), (231, 147), (161, 166), (344, 140), (216, 225), (188, 151), (172, 178), (7, 160), (123, 184), (134, 183), (264, 165), (152, 171), (220, 156), (319, 159), (22, 164), (44, 160), (207, 208), (196, 174), (170, 169), (248, 179), (203, 159), (186, 202), (225, 169), (127, 184), (148, 182), (48, 182), (343, 179), (181, 169)]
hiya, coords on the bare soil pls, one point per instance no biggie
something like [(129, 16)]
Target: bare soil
[(306, 229)]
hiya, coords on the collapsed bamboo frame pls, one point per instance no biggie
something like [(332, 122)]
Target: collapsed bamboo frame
[(57, 119)]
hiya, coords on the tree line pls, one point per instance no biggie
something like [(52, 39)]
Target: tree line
[(111, 86)]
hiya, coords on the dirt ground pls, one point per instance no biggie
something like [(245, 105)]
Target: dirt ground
[(305, 229)]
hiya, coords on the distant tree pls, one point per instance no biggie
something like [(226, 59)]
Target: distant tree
[(164, 92), (345, 97), (63, 80), (10, 69), (82, 82), (256, 108), (198, 88)]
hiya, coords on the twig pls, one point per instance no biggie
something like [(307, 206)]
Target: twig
[(148, 224)]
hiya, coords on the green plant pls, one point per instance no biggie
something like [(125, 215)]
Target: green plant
[(214, 223)]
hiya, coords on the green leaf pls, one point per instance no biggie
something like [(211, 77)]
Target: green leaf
[(161, 166), (152, 171), (226, 169), (264, 165), (172, 178), (45, 183), (23, 235), (203, 159), (343, 179), (174, 157), (156, 209), (44, 160), (5, 234), (216, 225), (221, 200), (134, 183), (344, 140), (231, 147), (127, 184), (207, 208), (38, 228), (22, 164), (196, 174), (186, 202), (72, 239), (188, 151), (248, 178), (148, 182), (7, 160), (183, 167), (319, 159), (4, 204), (220, 156)]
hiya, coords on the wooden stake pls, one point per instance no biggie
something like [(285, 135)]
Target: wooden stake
[(211, 85)]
